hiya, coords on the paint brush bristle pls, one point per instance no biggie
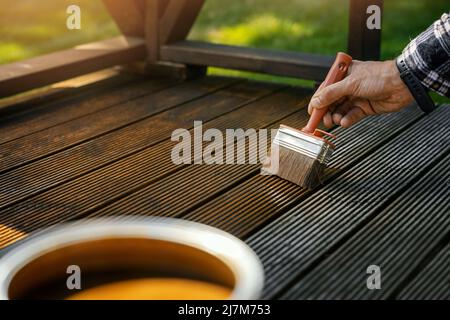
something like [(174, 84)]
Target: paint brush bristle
[(298, 157)]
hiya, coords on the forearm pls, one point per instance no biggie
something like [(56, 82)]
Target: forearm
[(428, 56)]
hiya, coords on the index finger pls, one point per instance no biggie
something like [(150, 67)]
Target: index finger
[(330, 94)]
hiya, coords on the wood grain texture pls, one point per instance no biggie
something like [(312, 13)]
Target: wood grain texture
[(124, 143), (312, 229), (387, 241), (39, 98), (261, 198), (153, 11)]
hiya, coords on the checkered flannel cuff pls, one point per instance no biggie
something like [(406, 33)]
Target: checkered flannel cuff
[(428, 56)]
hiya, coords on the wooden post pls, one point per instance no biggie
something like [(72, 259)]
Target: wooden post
[(363, 43), (168, 21), (151, 29), (159, 22), (128, 15), (178, 19)]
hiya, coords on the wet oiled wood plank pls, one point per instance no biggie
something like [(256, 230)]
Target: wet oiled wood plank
[(398, 240), (129, 171), (251, 204), (40, 144), (300, 237), (195, 184), (80, 195), (433, 282)]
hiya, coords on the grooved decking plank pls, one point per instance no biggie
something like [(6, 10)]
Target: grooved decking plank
[(296, 240), (179, 194), (47, 115), (251, 204), (78, 196), (16, 185), (194, 184), (18, 152), (16, 109), (433, 282), (397, 240)]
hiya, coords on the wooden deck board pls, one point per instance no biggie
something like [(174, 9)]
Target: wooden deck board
[(98, 187), (192, 185), (399, 239), (57, 138), (39, 176), (47, 115), (106, 152), (432, 282), (295, 241), (13, 108), (256, 201)]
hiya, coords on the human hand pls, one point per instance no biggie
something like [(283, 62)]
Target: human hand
[(371, 87)]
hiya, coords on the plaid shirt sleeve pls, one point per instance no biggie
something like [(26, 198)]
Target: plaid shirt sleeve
[(428, 56)]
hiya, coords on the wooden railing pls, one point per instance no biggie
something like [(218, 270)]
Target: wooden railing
[(156, 31)]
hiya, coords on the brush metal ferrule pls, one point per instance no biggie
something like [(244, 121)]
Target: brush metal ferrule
[(306, 144)]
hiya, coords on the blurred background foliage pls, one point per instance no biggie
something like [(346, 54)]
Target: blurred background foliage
[(33, 27)]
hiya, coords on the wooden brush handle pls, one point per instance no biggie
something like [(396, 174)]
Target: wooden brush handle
[(336, 73)]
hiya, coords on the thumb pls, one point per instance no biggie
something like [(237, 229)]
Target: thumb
[(330, 94)]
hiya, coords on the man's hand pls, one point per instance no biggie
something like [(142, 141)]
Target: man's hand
[(370, 88)]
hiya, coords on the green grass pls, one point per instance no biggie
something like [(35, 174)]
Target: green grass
[(31, 27)]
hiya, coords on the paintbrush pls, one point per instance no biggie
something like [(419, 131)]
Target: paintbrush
[(301, 156)]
